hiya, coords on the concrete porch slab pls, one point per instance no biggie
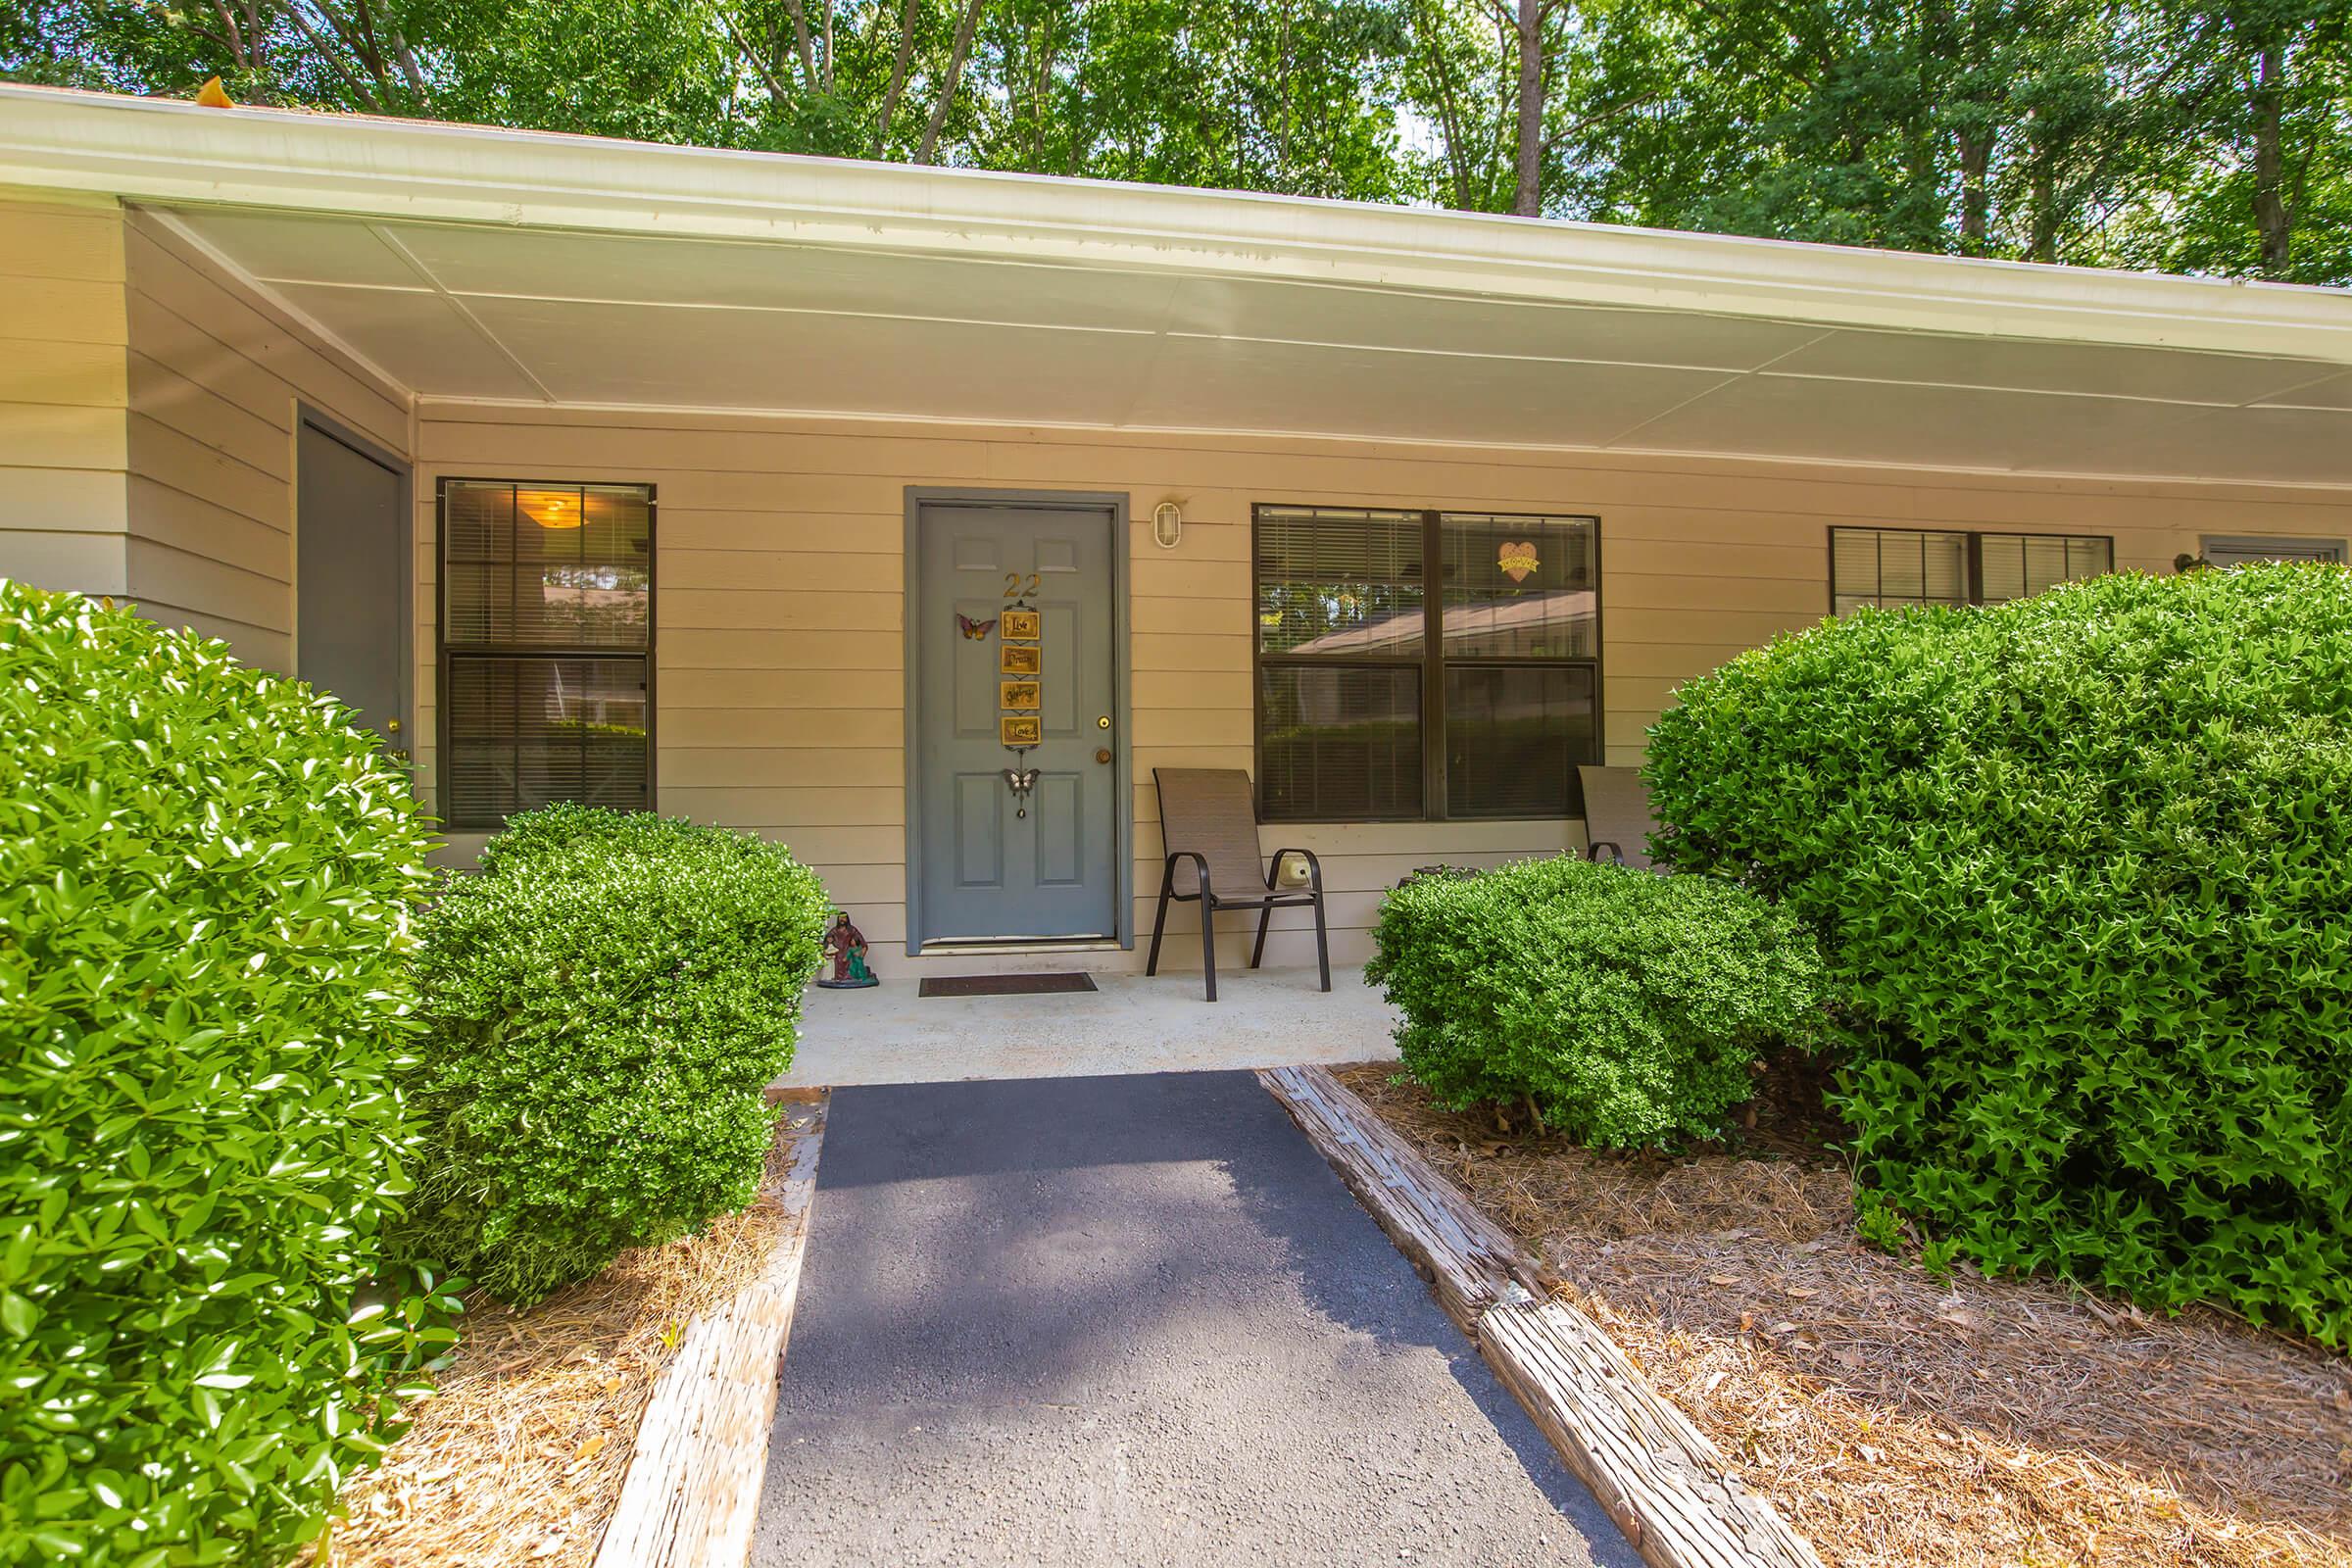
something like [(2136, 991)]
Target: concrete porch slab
[(1262, 1018)]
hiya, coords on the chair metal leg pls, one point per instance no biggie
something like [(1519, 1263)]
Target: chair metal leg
[(1322, 940), (1167, 885), (1266, 915), (1208, 942)]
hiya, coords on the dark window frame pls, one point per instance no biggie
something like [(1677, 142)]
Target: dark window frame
[(1972, 557), (1431, 662), (443, 650)]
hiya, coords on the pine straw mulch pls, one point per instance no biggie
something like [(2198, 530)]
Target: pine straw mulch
[(1901, 1421), (519, 1455)]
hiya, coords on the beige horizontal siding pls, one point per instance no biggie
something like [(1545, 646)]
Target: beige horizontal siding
[(215, 379), (62, 391), (781, 634)]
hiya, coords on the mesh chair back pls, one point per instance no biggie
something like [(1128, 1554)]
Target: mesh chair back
[(1617, 811), (1210, 812)]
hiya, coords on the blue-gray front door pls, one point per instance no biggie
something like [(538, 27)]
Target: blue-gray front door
[(992, 863)]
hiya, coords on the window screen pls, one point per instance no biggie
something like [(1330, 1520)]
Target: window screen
[(1362, 716), (546, 625), (1931, 566)]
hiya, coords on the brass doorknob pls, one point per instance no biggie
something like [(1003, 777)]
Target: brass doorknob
[(1103, 753), (391, 726)]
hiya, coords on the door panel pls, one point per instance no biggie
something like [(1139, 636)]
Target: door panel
[(986, 869), (979, 845), (1059, 807), (351, 580)]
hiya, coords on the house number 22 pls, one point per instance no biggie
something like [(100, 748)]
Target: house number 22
[(1013, 588)]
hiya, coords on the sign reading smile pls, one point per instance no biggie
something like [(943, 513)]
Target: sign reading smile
[(1517, 560)]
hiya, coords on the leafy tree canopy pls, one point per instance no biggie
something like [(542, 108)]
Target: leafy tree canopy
[(2191, 136)]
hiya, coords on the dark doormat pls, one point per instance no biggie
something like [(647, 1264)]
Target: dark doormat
[(1003, 985)]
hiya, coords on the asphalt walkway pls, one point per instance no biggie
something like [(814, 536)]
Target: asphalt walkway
[(1130, 1320)]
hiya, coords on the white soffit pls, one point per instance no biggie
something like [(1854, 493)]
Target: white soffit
[(475, 265)]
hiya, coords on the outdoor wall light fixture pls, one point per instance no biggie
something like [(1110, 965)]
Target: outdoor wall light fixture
[(1168, 524)]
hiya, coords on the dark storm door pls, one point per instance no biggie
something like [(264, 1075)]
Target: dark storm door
[(986, 871), (351, 580)]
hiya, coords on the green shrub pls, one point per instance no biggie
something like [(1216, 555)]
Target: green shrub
[(606, 1004), (206, 882), (2081, 866), (1628, 1007)]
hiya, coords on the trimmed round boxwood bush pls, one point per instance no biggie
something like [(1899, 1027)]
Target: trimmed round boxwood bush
[(206, 883), (2081, 866), (606, 1003), (1629, 1007)]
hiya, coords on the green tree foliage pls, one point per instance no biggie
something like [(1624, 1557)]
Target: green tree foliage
[(1629, 1007), (2081, 870), (2210, 137), (606, 1004), (206, 883)]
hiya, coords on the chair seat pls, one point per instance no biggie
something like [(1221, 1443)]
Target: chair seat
[(1269, 901)]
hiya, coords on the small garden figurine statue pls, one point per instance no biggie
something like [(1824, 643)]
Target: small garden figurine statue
[(845, 946)]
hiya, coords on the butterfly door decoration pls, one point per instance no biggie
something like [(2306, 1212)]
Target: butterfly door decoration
[(974, 629)]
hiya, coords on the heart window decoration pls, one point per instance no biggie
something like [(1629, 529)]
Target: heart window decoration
[(1517, 560)]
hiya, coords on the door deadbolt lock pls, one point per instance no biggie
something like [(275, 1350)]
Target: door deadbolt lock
[(1104, 722)]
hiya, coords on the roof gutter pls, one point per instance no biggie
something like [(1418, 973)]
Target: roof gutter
[(165, 151)]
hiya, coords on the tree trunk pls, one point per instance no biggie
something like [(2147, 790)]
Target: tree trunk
[(1527, 201), (2044, 246), (947, 91), (898, 79), (2272, 221), (808, 50), (1976, 195)]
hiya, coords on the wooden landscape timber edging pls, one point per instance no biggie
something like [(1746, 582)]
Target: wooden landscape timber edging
[(1657, 1475), (693, 1484)]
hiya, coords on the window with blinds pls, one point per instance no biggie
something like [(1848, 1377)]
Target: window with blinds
[(2240, 552), (545, 632), (1929, 566), (1423, 665)]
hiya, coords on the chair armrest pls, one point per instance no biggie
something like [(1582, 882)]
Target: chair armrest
[(1200, 862), (1314, 869), (1616, 850)]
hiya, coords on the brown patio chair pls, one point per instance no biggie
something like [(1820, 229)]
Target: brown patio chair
[(1617, 817), (1208, 820)]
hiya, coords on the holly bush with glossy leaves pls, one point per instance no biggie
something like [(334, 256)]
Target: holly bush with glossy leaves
[(206, 880), (2081, 869), (1629, 1006), (607, 1002)]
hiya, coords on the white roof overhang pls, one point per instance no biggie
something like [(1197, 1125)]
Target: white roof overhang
[(471, 263)]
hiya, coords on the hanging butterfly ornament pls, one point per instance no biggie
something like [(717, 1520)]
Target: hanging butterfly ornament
[(1021, 780), (972, 629)]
